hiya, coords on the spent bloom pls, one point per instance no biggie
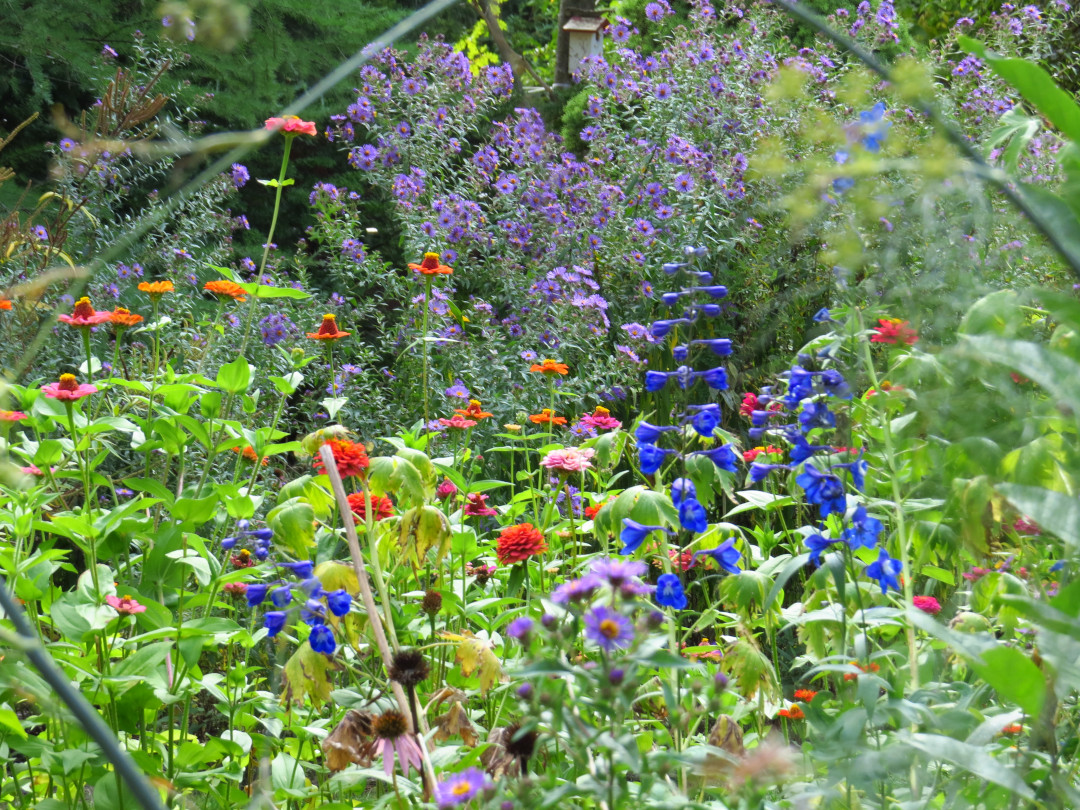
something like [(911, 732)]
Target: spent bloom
[(328, 329), (431, 266)]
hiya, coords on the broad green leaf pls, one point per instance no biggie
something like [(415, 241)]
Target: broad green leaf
[(971, 758), (306, 486), (293, 523), (1014, 676), (307, 674), (1056, 513), (1052, 370), (396, 475), (234, 377)]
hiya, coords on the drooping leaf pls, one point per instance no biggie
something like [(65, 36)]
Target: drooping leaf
[(423, 528), (307, 674), (293, 523), (477, 655)]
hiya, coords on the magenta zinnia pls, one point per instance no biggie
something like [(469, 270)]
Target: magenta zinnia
[(68, 389)]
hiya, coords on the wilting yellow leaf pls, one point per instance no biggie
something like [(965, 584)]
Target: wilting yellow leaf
[(336, 575), (307, 673), (477, 655)]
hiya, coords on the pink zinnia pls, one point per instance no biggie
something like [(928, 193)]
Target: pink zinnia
[(600, 419), (975, 574), (571, 459), (927, 604), (68, 389), (125, 606), (446, 489), (291, 123), (458, 422), (84, 315), (33, 469), (476, 505), (11, 416), (1023, 525)]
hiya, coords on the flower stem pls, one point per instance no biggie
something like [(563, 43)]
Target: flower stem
[(424, 341)]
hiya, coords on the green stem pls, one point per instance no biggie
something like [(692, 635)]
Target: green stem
[(269, 238), (424, 342), (84, 469)]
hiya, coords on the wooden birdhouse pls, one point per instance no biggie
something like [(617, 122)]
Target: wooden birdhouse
[(586, 36)]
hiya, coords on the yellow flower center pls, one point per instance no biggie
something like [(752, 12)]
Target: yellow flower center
[(609, 628), (461, 788)]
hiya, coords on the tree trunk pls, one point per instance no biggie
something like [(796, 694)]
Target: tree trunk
[(518, 64)]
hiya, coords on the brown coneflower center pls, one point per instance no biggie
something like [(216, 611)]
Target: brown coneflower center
[(83, 308), (68, 382), (430, 261), (390, 725)]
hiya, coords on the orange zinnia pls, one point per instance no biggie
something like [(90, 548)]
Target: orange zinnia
[(5, 303), (545, 416), (124, 318), (550, 367), (328, 329), (156, 289), (430, 266), (474, 411), (226, 289), (351, 457), (249, 454), (518, 543), (794, 713), (805, 694)]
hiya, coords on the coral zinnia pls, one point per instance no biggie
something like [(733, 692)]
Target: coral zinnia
[(351, 457), (328, 329), (794, 713), (569, 460), (550, 367), (545, 416), (126, 605), (5, 304), (291, 124), (430, 266), (84, 315), (11, 416), (124, 318), (226, 289), (68, 389), (893, 330), (474, 411), (805, 694), (457, 422), (518, 543), (381, 506)]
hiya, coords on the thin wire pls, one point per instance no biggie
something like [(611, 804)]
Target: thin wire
[(995, 176), (251, 139)]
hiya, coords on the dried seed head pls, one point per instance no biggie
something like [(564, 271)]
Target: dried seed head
[(409, 668), (432, 603)]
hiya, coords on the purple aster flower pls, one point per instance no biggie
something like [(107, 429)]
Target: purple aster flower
[(576, 590), (520, 628), (459, 788), (240, 175), (616, 572), (66, 145), (608, 629), (458, 389)]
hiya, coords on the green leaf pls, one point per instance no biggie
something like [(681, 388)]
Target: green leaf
[(234, 377), (10, 721), (196, 512), (397, 475), (423, 528), (307, 673), (287, 385), (267, 291), (1052, 370), (1014, 676), (973, 759), (293, 523), (1054, 512), (1058, 217)]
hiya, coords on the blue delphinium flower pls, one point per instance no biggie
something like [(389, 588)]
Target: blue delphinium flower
[(715, 378), (339, 602), (633, 534), (817, 544), (706, 420), (865, 531), (650, 434), (723, 457), (256, 594), (816, 415), (274, 622), (281, 596), (322, 640), (725, 554), (885, 570), (800, 386), (651, 457), (302, 569), (692, 515), (857, 469), (801, 449), (313, 612), (834, 384), (682, 488), (655, 380), (875, 127), (823, 489), (759, 472), (669, 592), (823, 316)]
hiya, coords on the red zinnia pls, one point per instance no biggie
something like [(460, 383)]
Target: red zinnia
[(894, 330), (518, 543), (473, 411), (85, 315), (749, 404), (590, 511), (12, 416), (351, 457), (235, 589), (124, 318), (381, 506), (927, 604), (5, 304), (872, 667), (1014, 728), (476, 505), (249, 454), (805, 694)]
